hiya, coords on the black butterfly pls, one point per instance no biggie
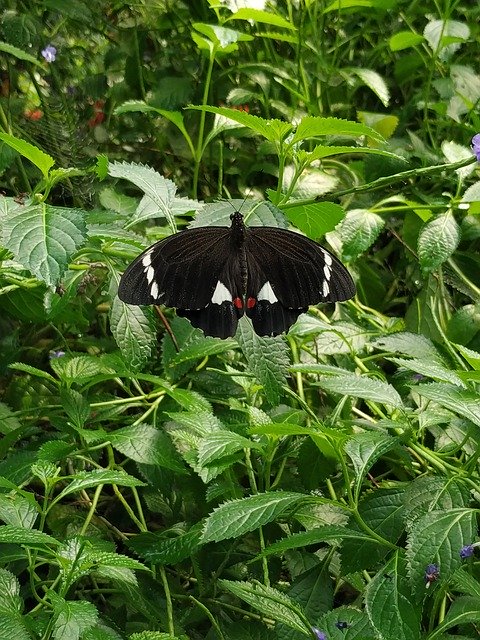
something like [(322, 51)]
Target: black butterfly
[(215, 275)]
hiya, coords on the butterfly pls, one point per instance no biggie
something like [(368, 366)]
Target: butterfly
[(215, 275)]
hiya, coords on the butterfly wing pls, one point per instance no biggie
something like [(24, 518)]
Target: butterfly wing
[(286, 273), (192, 271)]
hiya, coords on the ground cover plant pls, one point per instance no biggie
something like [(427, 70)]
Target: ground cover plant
[(161, 484)]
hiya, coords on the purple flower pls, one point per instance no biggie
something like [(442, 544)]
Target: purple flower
[(468, 550), (56, 354), (49, 53), (432, 573), (476, 146), (320, 635)]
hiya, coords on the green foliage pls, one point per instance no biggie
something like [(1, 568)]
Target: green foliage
[(159, 484)]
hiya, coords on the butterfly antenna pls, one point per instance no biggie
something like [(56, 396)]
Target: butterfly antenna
[(167, 326)]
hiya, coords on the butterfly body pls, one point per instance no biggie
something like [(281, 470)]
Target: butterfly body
[(215, 275)]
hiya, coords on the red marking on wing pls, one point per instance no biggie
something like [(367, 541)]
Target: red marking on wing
[(251, 302), (238, 302)]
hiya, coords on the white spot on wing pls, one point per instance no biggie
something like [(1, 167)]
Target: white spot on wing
[(154, 291), (150, 274), (147, 259), (221, 294), (326, 272), (267, 293), (326, 288), (328, 259)]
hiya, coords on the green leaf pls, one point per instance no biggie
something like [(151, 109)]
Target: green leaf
[(88, 479), (10, 590), (76, 407), (388, 599), (33, 371), (429, 369), (341, 5), (266, 17), (462, 402), (40, 159), (18, 510), (223, 39), (134, 331), (20, 54), (19, 535), (313, 126), (373, 81), (316, 219), (272, 130), (222, 444), (167, 547), (404, 40), (323, 151), (358, 231), (270, 602), (465, 583), (200, 348), (438, 34), (144, 443), (72, 619), (434, 493), (437, 537), (315, 536), (437, 241), (233, 519), (409, 344), (364, 449), (267, 359), (362, 387), (462, 612), (44, 238), (8, 421), (13, 626)]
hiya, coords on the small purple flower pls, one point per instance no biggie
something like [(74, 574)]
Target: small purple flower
[(466, 551), (476, 146), (56, 354), (432, 573), (418, 377), (49, 53), (320, 635)]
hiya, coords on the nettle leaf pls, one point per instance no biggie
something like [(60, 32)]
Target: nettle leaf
[(146, 444), (40, 159), (463, 611), (465, 583), (272, 130), (317, 219), (233, 519), (409, 344), (44, 238), (437, 241), (76, 407), (437, 537), (358, 231), (10, 590), (373, 81), (362, 387), (157, 188), (267, 359), (404, 40), (314, 126), (364, 450), (430, 370), (434, 493), (328, 533), (322, 151), (88, 479), (460, 401), (222, 444), (440, 33), (270, 602), (8, 420), (202, 347), (389, 603), (134, 331), (72, 619), (167, 547), (19, 535)]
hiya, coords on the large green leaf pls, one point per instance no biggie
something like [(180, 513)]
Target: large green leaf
[(144, 443), (437, 241), (316, 219), (40, 159), (44, 238), (465, 403), (362, 387), (134, 331), (314, 126), (364, 450)]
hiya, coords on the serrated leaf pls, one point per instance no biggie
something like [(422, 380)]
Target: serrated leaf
[(434, 493), (200, 348), (409, 344), (8, 420), (404, 40), (88, 479), (465, 583), (437, 537), (19, 535), (18, 510), (267, 359), (20, 54), (437, 241), (317, 219), (146, 444), (10, 590), (44, 238), (269, 602), (430, 370), (315, 536), (40, 159), (462, 402), (389, 603), (160, 190), (314, 126), (233, 519), (26, 368), (222, 444), (72, 619), (462, 611), (79, 369), (362, 387), (272, 130), (134, 331), (358, 231), (165, 548), (364, 449), (438, 34)]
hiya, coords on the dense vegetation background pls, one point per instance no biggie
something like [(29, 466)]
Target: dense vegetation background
[(323, 484)]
